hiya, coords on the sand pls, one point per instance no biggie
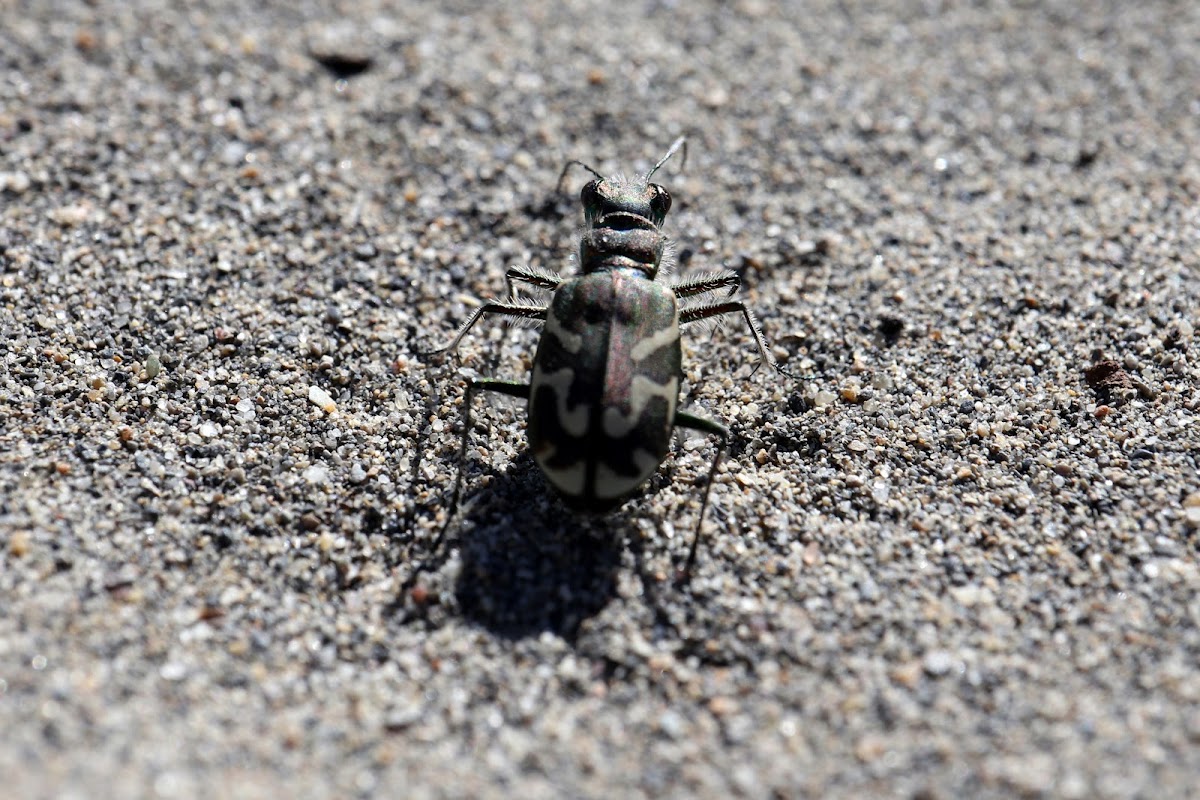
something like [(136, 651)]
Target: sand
[(955, 556)]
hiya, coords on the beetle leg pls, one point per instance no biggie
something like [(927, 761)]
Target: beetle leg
[(712, 428), (520, 390), (708, 282), (729, 307), (515, 309), (511, 388), (541, 278)]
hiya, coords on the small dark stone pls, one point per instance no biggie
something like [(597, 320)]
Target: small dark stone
[(372, 519), (1108, 379), (891, 327), (1087, 156), (344, 65)]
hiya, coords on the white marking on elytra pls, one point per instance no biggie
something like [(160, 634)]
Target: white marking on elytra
[(645, 460), (610, 483), (568, 479), (656, 341), (574, 421), (641, 391), (570, 341)]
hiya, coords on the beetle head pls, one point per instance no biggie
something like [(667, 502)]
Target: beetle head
[(626, 203), (623, 204)]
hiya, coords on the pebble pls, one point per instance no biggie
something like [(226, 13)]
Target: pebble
[(16, 183), (320, 398), (823, 398), (937, 663), (1192, 515), (316, 474), (19, 544)]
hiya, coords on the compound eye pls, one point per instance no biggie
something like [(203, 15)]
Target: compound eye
[(660, 204), (588, 194)]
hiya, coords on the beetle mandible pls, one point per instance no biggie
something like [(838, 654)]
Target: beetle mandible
[(604, 390)]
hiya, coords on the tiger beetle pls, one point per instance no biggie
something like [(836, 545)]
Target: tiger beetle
[(605, 386)]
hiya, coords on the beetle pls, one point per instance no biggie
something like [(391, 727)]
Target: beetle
[(603, 394)]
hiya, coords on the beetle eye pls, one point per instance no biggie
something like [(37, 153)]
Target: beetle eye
[(587, 195), (661, 202)]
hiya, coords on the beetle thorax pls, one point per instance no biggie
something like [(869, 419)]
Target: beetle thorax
[(608, 248)]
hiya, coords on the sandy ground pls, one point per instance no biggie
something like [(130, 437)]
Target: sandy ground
[(955, 556)]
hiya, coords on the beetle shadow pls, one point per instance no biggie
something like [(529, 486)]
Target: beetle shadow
[(529, 565)]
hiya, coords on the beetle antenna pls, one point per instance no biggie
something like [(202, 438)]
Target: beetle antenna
[(567, 168), (678, 143)]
